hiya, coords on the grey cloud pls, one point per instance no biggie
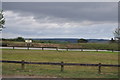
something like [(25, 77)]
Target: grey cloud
[(77, 11), (60, 19)]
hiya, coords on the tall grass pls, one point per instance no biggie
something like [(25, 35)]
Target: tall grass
[(100, 46)]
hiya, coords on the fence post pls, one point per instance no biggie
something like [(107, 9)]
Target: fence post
[(112, 50), (28, 47), (13, 47), (42, 48), (22, 65), (99, 68), (67, 49), (97, 50), (81, 49), (62, 66), (56, 48)]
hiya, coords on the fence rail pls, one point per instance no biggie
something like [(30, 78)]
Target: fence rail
[(62, 64), (56, 63), (57, 48)]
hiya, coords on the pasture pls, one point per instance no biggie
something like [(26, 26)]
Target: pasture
[(58, 56), (100, 46)]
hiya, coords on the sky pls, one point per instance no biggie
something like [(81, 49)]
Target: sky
[(96, 20), (60, 0)]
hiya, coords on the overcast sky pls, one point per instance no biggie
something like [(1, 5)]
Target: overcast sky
[(60, 20)]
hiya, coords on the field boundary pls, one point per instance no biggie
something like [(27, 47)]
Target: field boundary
[(57, 49), (62, 64)]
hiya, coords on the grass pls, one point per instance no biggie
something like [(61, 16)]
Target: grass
[(58, 56), (101, 46)]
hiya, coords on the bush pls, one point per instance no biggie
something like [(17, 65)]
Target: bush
[(82, 40), (19, 39)]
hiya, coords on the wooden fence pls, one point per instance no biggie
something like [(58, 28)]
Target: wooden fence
[(62, 64), (27, 47), (56, 48)]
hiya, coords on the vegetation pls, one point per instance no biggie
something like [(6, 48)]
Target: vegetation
[(58, 56), (117, 34), (2, 20), (82, 40), (21, 39), (112, 40), (49, 41), (18, 39), (95, 46), (100, 46)]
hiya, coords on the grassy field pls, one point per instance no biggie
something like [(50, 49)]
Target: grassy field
[(58, 56), (101, 46)]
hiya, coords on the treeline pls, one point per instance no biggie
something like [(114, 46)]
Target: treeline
[(49, 41), (20, 39)]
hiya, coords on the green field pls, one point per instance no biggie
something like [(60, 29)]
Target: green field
[(58, 56), (100, 46)]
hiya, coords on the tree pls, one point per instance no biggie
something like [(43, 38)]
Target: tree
[(117, 34), (2, 20), (19, 39), (82, 40), (112, 40)]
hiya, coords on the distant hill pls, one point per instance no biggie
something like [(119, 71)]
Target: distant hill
[(72, 40), (98, 40)]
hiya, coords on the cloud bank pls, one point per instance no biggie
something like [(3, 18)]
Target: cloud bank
[(60, 20)]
